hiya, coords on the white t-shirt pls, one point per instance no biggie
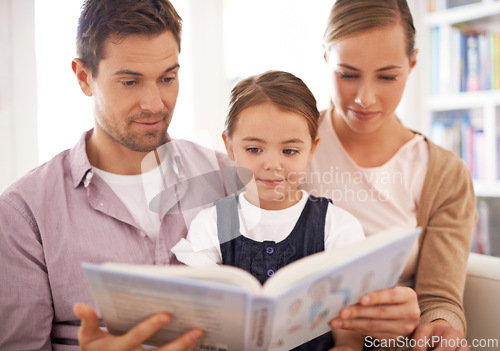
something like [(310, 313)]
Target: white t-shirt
[(136, 192), (379, 197), (202, 247)]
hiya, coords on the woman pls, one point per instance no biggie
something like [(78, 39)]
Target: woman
[(387, 175)]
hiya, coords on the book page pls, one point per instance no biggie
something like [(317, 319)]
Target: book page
[(384, 243), (125, 299), (228, 275), (304, 311)]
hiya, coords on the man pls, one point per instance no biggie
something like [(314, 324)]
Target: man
[(91, 203)]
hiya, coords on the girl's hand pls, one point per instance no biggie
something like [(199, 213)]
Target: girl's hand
[(383, 314), (92, 337)]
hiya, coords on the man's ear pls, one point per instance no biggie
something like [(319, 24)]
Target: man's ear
[(83, 76), (228, 145)]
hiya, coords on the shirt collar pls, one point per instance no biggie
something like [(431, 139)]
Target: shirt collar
[(81, 168)]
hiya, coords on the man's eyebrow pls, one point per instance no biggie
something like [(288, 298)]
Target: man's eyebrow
[(379, 70), (126, 72)]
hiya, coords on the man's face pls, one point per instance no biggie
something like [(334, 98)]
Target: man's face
[(135, 90)]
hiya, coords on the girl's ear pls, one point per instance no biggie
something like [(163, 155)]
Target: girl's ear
[(313, 148), (228, 145), (83, 75)]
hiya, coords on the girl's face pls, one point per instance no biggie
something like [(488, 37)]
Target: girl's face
[(276, 146), (369, 72)]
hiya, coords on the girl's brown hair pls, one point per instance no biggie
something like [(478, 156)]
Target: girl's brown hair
[(350, 17), (282, 89)]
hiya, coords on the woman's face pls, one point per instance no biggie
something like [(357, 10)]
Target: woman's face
[(369, 72)]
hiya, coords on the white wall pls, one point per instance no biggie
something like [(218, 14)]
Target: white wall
[(18, 123)]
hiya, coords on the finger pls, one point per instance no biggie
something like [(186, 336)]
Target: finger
[(395, 312), (90, 328), (387, 328), (185, 342), (142, 331), (397, 295)]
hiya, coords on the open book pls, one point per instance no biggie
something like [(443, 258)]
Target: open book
[(236, 312)]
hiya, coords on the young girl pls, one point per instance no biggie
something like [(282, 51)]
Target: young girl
[(271, 129)]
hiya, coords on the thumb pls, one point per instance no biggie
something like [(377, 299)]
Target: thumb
[(90, 328)]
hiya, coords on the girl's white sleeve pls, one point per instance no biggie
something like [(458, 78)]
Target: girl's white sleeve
[(341, 228), (201, 247)]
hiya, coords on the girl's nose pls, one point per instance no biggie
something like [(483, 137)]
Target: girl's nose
[(272, 163)]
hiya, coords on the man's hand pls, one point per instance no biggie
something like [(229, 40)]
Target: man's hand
[(92, 337), (445, 336), (383, 314)]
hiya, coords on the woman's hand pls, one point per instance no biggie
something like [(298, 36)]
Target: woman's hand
[(383, 314), (439, 335), (92, 337)]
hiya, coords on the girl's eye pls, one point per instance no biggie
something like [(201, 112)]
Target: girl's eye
[(253, 150), (290, 152), (344, 75)]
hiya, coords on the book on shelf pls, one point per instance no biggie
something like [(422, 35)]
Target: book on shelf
[(235, 311), (481, 237), (463, 60), (441, 5), (461, 131)]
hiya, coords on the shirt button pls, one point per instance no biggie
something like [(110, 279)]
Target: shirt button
[(269, 250), (270, 273)]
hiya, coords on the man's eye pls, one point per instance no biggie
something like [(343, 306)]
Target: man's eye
[(128, 83), (168, 79)]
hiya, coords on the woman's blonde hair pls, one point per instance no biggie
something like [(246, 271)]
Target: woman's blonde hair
[(350, 17)]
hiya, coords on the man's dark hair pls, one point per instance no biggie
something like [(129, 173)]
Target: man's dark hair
[(102, 19)]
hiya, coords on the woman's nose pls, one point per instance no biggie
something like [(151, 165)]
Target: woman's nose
[(366, 96)]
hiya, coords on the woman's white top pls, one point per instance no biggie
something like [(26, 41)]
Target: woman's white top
[(379, 197)]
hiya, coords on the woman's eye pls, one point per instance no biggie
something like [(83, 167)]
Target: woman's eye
[(290, 151), (344, 75), (388, 77)]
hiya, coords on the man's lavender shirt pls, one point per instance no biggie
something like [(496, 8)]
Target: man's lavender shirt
[(58, 216)]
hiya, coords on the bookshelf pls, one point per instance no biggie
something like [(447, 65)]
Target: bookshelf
[(462, 87), (460, 52)]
